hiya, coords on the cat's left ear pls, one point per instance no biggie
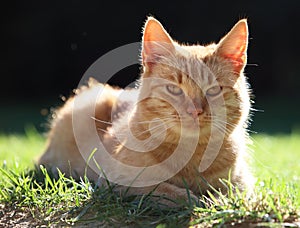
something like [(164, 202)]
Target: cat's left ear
[(156, 42), (233, 46)]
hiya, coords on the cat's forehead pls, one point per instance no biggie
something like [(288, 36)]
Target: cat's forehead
[(189, 69), (195, 69), (195, 50)]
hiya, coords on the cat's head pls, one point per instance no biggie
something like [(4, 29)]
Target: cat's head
[(192, 88)]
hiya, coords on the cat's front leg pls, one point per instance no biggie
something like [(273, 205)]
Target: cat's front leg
[(170, 194)]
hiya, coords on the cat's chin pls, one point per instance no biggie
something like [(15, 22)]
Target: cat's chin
[(191, 130)]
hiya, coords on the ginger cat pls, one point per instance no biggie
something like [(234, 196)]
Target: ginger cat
[(184, 126)]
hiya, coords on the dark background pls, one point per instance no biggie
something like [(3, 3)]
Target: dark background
[(48, 45)]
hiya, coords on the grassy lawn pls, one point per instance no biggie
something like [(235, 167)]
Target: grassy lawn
[(34, 199)]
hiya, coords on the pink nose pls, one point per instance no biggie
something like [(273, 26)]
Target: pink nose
[(194, 111)]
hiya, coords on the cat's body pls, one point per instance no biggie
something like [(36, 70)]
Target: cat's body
[(200, 95)]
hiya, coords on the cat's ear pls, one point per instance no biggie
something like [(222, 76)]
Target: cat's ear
[(156, 42), (233, 46)]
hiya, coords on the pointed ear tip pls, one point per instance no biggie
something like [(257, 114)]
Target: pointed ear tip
[(150, 24), (244, 20), (243, 23), (150, 20)]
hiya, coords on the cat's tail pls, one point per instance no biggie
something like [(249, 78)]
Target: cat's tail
[(93, 102)]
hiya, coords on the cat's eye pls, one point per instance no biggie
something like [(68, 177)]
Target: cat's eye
[(214, 91), (174, 90)]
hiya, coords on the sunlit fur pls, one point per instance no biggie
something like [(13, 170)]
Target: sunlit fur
[(193, 69)]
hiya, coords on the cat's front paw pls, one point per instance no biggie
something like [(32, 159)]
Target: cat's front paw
[(187, 195)]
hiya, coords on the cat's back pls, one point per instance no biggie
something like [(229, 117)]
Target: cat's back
[(94, 104), (106, 104)]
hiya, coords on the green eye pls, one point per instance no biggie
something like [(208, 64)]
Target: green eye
[(214, 91), (174, 90)]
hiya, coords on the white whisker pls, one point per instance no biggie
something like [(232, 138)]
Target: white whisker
[(153, 128), (101, 121), (105, 131), (155, 135), (154, 120)]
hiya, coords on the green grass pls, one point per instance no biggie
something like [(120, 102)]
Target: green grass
[(40, 200)]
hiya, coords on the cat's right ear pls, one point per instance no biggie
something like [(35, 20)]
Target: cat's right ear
[(233, 46), (156, 42)]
